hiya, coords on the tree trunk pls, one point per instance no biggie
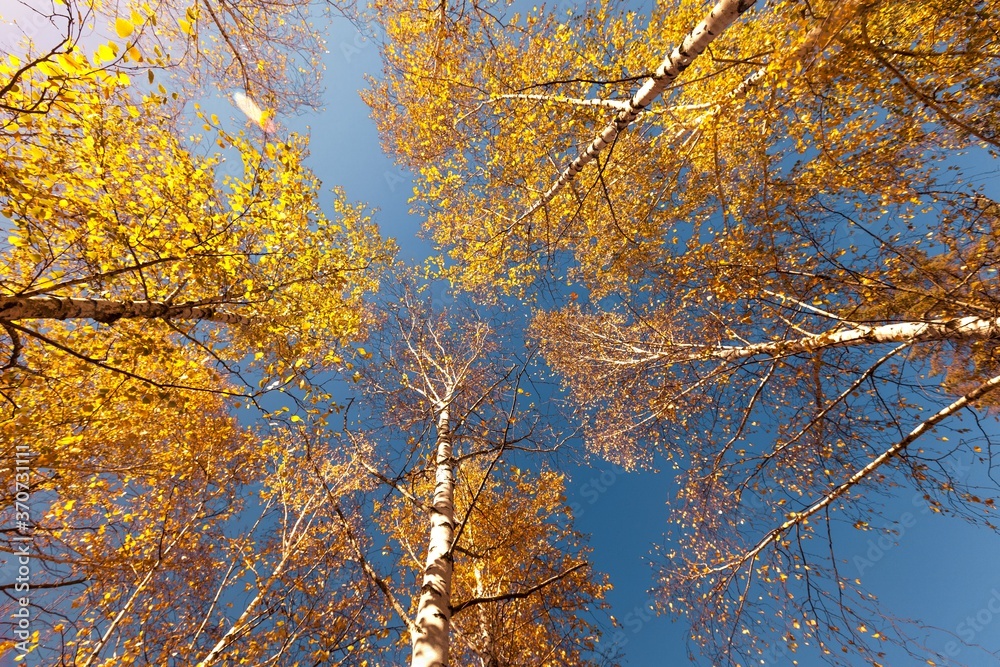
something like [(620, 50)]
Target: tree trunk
[(722, 15), (959, 328), (430, 643), (104, 310)]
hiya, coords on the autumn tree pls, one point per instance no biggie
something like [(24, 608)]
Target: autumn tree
[(496, 145), (488, 141), (119, 378), (786, 266), (487, 551), (254, 261), (782, 443), (521, 584), (143, 297)]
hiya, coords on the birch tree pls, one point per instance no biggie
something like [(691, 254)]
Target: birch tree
[(127, 299), (493, 141), (143, 297), (499, 575), (522, 582), (251, 267), (797, 399), (759, 130)]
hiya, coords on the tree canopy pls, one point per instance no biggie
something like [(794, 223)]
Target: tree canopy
[(753, 243), (785, 255)]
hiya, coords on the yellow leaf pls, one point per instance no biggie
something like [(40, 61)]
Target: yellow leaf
[(185, 26), (124, 27), (104, 53)]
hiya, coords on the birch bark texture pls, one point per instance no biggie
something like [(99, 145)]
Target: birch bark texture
[(722, 15), (433, 620), (107, 311)]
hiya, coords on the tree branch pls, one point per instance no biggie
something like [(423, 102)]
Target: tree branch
[(797, 518), (107, 311), (373, 575), (960, 328), (71, 582), (520, 594), (723, 14)]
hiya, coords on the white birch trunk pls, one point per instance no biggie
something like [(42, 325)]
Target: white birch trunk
[(694, 44), (615, 351), (433, 622), (967, 328), (105, 310)]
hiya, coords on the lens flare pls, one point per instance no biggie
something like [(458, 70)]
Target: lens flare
[(253, 112)]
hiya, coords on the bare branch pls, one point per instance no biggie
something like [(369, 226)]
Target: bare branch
[(518, 594)]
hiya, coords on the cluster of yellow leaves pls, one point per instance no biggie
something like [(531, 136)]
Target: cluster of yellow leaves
[(486, 139), (149, 503), (118, 470), (108, 204)]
